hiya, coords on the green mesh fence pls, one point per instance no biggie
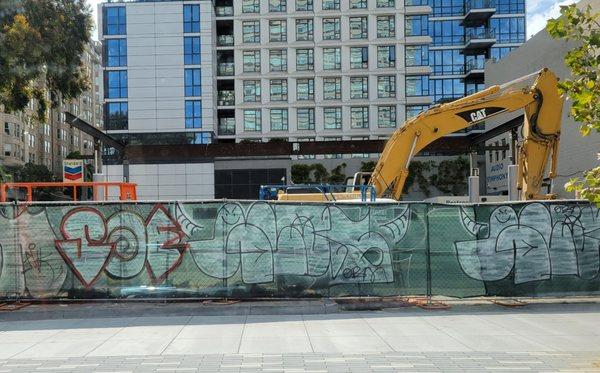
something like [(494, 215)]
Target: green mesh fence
[(264, 249)]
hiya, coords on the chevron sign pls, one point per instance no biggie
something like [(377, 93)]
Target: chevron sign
[(73, 170)]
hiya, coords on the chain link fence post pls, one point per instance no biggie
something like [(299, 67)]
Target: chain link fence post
[(428, 255)]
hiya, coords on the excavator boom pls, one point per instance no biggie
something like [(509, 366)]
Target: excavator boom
[(541, 102)]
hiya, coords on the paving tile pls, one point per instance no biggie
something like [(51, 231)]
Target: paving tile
[(348, 344), (180, 346)]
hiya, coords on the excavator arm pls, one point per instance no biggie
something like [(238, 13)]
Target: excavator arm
[(541, 102), (543, 111)]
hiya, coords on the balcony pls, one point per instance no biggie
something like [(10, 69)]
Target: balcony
[(479, 40), (477, 12), (225, 41), (475, 69), (227, 127), (226, 98), (224, 11), (226, 69)]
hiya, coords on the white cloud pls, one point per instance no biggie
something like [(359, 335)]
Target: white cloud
[(540, 11)]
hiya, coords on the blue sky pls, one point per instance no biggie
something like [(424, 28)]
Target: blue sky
[(539, 11)]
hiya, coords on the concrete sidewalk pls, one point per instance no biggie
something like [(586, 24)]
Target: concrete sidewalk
[(544, 334)]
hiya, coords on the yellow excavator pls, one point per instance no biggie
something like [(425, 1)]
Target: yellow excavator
[(541, 102)]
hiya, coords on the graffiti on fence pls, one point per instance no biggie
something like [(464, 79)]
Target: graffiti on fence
[(378, 249), (538, 242)]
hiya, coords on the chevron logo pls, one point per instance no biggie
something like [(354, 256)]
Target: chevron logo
[(72, 171)]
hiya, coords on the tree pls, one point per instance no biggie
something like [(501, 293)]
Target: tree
[(31, 173), (301, 174), (320, 173), (451, 175), (367, 166), (583, 27), (337, 175), (416, 173), (41, 47), (5, 175)]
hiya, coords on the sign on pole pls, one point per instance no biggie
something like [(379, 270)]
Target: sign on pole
[(73, 171)]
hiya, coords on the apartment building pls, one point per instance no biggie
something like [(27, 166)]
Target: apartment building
[(25, 140), (299, 70)]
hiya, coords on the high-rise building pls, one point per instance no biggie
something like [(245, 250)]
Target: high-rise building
[(25, 140), (201, 71)]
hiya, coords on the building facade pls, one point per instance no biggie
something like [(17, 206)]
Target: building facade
[(25, 140), (202, 71)]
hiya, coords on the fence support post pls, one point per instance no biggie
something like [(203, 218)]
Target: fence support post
[(428, 255)]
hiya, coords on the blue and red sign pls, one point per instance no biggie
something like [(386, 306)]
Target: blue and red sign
[(73, 170)]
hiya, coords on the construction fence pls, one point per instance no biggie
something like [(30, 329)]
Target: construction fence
[(249, 249)]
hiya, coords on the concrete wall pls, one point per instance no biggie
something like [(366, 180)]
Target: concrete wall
[(258, 249), (577, 153), (182, 181)]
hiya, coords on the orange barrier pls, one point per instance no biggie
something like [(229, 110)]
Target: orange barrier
[(127, 191)]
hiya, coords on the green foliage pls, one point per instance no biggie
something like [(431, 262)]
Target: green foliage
[(451, 176), (5, 175), (416, 173), (368, 166), (583, 27), (320, 173), (41, 47), (31, 173), (317, 173), (338, 176), (301, 173)]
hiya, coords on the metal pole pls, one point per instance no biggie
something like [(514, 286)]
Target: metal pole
[(428, 255)]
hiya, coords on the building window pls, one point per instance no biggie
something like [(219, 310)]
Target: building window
[(498, 53), (193, 82), (386, 56), (277, 6), (447, 62), (386, 116), (332, 58), (509, 30), (304, 5), (510, 6), (116, 84), (252, 91), (252, 120), (359, 28), (447, 33), (306, 119), (358, 4), (305, 59), (193, 114), (359, 87), (277, 30), (251, 61), (417, 55), (115, 21), (332, 88), (116, 116), (386, 3), (191, 50), (446, 89), (116, 52), (278, 60), (416, 25), (414, 110), (386, 86), (251, 31), (304, 30), (359, 57), (250, 6), (332, 118), (417, 85), (386, 27), (305, 89), (279, 90), (191, 18), (448, 8), (331, 29), (359, 117), (331, 4), (279, 119)]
